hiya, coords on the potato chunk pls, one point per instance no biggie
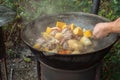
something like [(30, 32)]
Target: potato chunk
[(76, 52), (58, 35), (85, 41), (74, 44)]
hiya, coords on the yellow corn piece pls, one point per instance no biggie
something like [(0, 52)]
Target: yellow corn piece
[(46, 49), (60, 24), (46, 35), (87, 33), (72, 26), (36, 46), (48, 30), (64, 26), (78, 31)]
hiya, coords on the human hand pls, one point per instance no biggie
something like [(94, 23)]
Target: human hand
[(102, 30)]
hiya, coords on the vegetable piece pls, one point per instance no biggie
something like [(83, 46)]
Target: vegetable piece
[(58, 35), (85, 41), (48, 30), (78, 31), (87, 33), (64, 52), (46, 49), (46, 35), (76, 52), (52, 51), (64, 26), (72, 26), (56, 28), (36, 46), (60, 24), (74, 44)]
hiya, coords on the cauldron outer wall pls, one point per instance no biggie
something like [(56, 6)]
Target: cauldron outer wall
[(67, 63)]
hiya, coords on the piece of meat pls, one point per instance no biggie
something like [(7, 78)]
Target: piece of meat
[(41, 40), (64, 30), (67, 33), (65, 45), (56, 28), (52, 44), (53, 32), (77, 37)]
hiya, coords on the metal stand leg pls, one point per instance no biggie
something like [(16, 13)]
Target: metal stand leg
[(38, 70), (96, 5), (98, 72), (0, 72), (3, 53), (5, 68)]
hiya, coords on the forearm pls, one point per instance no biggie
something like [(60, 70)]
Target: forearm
[(115, 26)]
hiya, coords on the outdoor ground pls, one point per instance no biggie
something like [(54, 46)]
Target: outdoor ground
[(21, 68)]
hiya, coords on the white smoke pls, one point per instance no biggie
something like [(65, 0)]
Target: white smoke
[(36, 8)]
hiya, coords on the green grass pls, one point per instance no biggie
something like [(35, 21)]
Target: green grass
[(111, 64)]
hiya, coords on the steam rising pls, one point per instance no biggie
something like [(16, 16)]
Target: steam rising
[(37, 8)]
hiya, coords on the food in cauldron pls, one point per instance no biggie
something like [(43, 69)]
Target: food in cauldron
[(65, 39)]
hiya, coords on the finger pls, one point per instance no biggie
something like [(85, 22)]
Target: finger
[(94, 37)]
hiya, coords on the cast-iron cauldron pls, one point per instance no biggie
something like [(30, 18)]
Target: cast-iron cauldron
[(32, 31)]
